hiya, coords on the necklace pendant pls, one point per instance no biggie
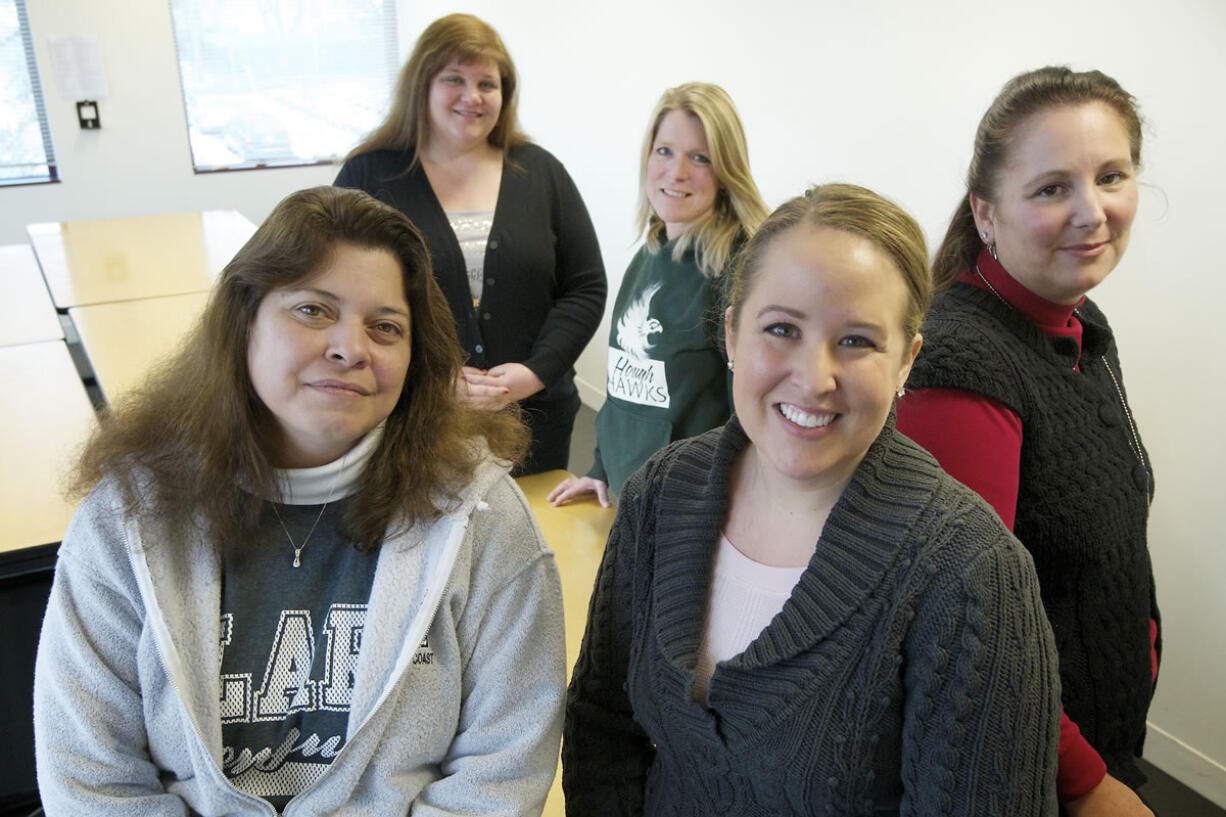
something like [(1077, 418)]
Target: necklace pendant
[(297, 557)]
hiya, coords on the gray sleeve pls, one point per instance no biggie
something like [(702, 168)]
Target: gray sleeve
[(606, 754), (981, 724), (90, 741), (505, 751)]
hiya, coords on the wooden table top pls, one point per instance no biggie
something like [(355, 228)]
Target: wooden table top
[(45, 415), (577, 533), (126, 339), (121, 259), (29, 315)]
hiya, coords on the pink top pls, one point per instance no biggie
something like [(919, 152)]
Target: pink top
[(745, 595)]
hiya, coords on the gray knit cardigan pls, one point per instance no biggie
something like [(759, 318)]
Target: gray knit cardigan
[(912, 671)]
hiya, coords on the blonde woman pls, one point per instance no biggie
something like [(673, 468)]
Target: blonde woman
[(800, 613), (666, 377), (510, 240)]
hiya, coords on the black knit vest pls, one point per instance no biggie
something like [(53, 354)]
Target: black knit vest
[(1083, 498)]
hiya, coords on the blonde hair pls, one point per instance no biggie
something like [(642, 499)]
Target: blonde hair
[(739, 208), (852, 209), (461, 37)]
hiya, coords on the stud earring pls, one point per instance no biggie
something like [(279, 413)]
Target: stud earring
[(729, 365), (902, 390)]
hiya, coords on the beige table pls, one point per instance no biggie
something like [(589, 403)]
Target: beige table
[(121, 259), (45, 415), (577, 535), (124, 340), (29, 315)]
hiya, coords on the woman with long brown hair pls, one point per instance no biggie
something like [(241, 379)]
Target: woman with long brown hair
[(512, 245), (302, 579)]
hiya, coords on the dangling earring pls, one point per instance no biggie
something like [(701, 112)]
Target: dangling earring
[(990, 245), (729, 365)]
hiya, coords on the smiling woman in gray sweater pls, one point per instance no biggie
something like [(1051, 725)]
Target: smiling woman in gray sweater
[(800, 613)]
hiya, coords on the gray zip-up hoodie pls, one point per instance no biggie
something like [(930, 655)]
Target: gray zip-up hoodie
[(127, 688)]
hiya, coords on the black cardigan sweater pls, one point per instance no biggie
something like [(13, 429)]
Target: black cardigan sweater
[(545, 284)]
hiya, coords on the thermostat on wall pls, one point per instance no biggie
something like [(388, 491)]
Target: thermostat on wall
[(87, 115)]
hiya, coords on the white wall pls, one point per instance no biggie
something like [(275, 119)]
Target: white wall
[(139, 162), (885, 94)]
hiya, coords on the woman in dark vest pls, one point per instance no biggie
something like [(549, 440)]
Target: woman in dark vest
[(1019, 393)]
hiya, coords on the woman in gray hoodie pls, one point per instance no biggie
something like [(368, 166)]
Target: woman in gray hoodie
[(302, 581)]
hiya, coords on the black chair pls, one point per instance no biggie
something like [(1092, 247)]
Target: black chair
[(25, 582)]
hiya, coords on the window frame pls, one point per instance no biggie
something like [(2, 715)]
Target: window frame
[(390, 58), (40, 106)]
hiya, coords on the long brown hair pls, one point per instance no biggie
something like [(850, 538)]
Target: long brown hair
[(1020, 98), (739, 208), (460, 37), (190, 444)]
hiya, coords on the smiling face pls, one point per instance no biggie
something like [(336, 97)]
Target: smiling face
[(819, 351), (465, 102), (328, 354), (681, 184), (1064, 203)]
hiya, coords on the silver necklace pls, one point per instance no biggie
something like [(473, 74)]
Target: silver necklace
[(319, 516), (988, 283), (1135, 442)]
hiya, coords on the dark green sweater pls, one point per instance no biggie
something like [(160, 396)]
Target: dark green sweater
[(912, 670), (667, 378)]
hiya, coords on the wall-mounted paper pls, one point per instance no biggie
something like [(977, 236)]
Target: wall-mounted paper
[(77, 61)]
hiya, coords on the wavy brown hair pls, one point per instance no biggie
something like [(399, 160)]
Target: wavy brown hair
[(460, 37), (1023, 96), (191, 445)]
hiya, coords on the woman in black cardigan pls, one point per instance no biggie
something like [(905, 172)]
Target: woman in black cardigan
[(512, 246)]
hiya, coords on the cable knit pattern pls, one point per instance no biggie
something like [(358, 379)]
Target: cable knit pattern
[(1083, 500), (910, 672)]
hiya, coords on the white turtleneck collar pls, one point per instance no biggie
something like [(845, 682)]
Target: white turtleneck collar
[(335, 480)]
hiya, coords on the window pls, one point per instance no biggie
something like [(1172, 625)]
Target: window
[(282, 82), (26, 154)]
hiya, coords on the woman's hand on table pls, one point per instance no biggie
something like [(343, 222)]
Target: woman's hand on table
[(572, 488)]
